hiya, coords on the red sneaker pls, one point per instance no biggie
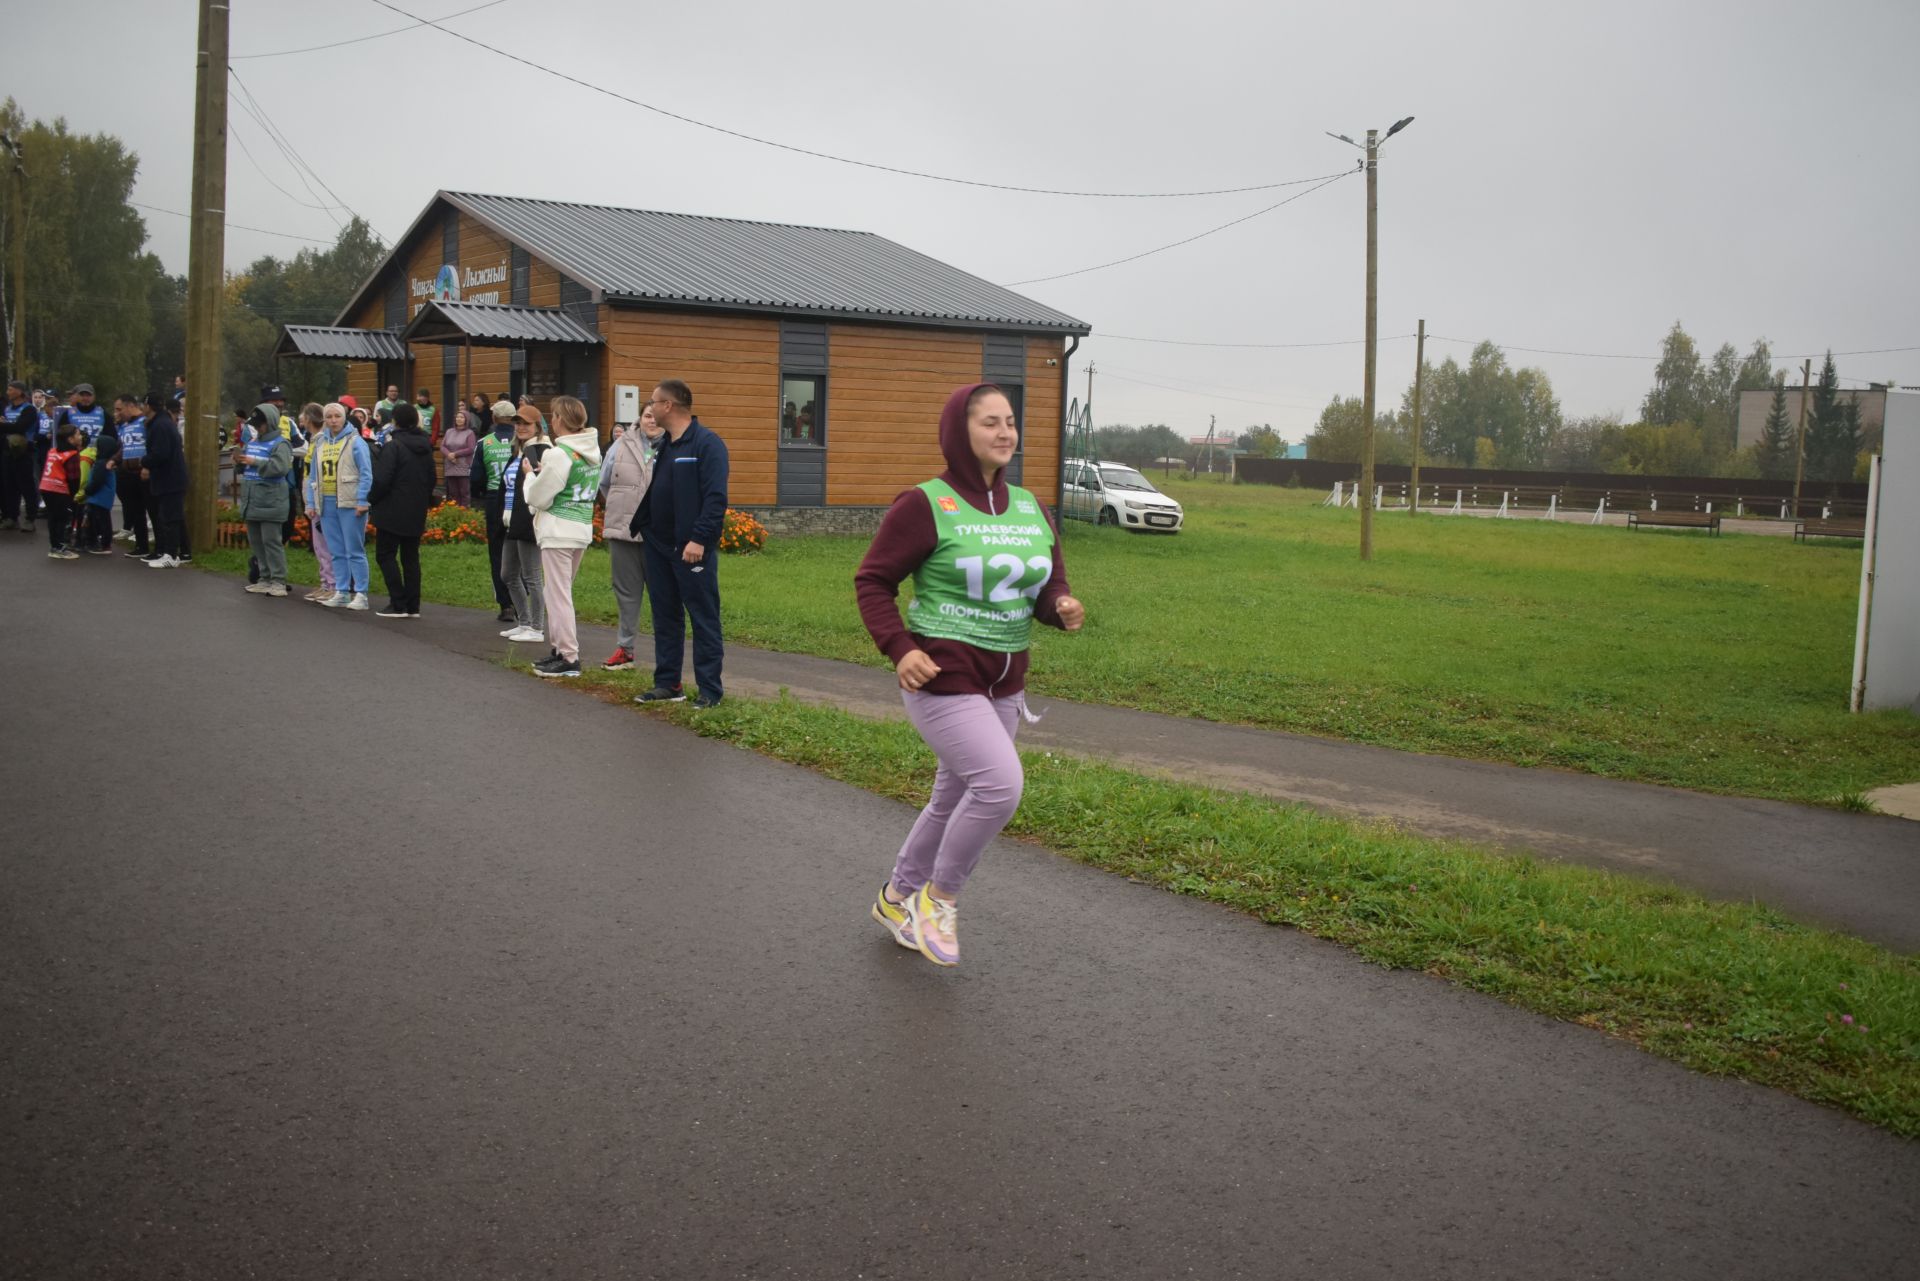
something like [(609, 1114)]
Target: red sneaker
[(621, 660)]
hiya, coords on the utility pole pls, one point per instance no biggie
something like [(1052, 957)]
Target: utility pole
[(1374, 139), (1800, 437), (17, 223), (1373, 336), (206, 275), (1419, 372)]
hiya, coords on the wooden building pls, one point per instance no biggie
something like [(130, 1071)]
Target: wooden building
[(822, 357)]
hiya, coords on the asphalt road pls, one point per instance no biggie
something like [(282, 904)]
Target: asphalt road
[(325, 952)]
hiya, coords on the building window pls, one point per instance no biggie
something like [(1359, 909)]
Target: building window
[(1017, 397), (803, 409)]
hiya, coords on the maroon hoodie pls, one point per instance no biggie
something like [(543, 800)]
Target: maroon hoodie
[(907, 536)]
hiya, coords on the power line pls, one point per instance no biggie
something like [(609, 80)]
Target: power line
[(827, 155), (1264, 346), (247, 151), (259, 112), (1604, 355), (238, 226), (1188, 391), (378, 35), (1324, 181)]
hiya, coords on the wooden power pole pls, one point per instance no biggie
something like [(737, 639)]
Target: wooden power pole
[(17, 227), (1419, 371), (206, 275), (1373, 334), (1800, 437)]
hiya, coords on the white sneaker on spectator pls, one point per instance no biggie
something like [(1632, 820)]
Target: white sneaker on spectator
[(359, 601)]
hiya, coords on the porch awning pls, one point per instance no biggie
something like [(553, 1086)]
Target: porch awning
[(495, 325), (321, 342)]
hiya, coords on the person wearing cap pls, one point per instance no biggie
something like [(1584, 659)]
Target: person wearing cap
[(84, 412), (20, 432), (131, 416), (491, 460)]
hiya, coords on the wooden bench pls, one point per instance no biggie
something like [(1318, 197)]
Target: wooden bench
[(1677, 520), (1806, 529)]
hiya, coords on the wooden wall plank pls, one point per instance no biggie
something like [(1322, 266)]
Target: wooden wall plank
[(732, 363)]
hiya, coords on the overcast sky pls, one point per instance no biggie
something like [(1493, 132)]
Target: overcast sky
[(1578, 176)]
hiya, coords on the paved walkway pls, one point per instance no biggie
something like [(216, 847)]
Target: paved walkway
[(1857, 872), (333, 954)]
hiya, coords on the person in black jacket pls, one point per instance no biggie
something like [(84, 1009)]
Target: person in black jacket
[(165, 472), (490, 462), (403, 480), (678, 522)]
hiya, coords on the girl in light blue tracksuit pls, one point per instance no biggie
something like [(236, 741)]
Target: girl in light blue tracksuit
[(343, 474)]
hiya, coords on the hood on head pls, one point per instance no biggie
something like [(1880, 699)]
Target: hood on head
[(269, 414), (963, 469)]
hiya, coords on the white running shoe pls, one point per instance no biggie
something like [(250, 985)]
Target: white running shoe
[(513, 633), (163, 562), (335, 601), (278, 589), (359, 601), (260, 588), (528, 635)]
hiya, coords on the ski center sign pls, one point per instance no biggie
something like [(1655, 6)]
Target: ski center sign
[(453, 285)]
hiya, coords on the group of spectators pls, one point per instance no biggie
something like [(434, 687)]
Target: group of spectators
[(538, 481), (67, 461)]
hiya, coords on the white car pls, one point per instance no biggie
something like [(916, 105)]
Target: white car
[(1115, 494)]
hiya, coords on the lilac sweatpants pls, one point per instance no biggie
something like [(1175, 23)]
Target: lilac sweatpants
[(320, 553), (975, 791)]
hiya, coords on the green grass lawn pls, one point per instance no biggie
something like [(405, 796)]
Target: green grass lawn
[(1712, 663)]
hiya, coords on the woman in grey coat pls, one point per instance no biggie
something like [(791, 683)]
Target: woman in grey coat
[(265, 464)]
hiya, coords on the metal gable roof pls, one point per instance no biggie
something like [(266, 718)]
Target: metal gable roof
[(723, 262), (494, 323), (323, 342)]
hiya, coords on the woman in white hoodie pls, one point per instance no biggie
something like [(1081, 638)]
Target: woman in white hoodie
[(562, 492)]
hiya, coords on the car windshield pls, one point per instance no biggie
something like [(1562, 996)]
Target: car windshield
[(1126, 478)]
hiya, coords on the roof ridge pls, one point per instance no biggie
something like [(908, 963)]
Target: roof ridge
[(661, 213)]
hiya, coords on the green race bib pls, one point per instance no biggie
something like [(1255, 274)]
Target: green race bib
[(985, 572), (575, 502)]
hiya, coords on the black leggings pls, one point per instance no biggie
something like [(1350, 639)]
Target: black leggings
[(59, 515), (403, 578)]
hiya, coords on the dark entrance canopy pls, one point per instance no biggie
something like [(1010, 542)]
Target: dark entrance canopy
[(323, 342), (495, 325)]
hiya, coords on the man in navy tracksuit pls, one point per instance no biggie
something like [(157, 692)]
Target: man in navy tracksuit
[(20, 432), (678, 523)]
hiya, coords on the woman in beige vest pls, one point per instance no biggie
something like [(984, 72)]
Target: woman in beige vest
[(623, 483)]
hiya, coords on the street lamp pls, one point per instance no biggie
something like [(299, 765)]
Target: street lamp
[(1372, 148)]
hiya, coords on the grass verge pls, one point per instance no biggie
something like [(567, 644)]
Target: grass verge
[(1719, 664), (1727, 988)]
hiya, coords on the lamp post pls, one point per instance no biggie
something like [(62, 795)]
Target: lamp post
[(1372, 148)]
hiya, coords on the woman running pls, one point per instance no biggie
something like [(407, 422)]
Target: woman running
[(985, 562)]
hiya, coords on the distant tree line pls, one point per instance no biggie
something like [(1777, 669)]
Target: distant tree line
[(1489, 414), (101, 308)]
